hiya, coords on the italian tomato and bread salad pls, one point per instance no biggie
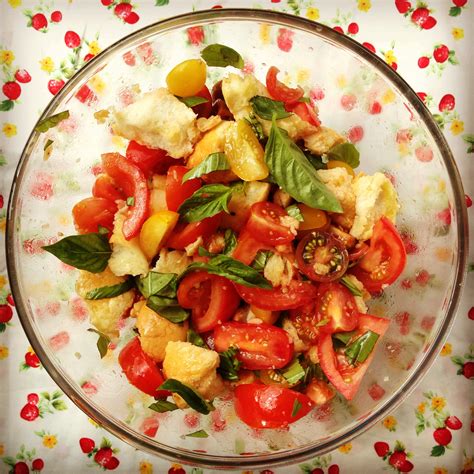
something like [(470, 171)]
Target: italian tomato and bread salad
[(239, 238)]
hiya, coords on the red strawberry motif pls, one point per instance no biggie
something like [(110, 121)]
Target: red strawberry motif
[(468, 370), (21, 468), (33, 398), (406, 466), (131, 19), (285, 39), (29, 412), (355, 134), (39, 21), (394, 66), (103, 456), (375, 391), (2, 202), (460, 3), (106, 3), (422, 277), (442, 436), (122, 10), (424, 153), (353, 28), (453, 423), (375, 108), (59, 340), (22, 75), (420, 15), (6, 313), (37, 464), (423, 62), (12, 90), (333, 469), (422, 96), (470, 314), (32, 360), (72, 39), (338, 29), (429, 23), (444, 216), (112, 463), (468, 201), (87, 445), (177, 470), (397, 459), (54, 86), (129, 58), (195, 35), (381, 448), (318, 470), (88, 57), (402, 6), (348, 101), (441, 53), (56, 16), (447, 103), (369, 46), (85, 95)]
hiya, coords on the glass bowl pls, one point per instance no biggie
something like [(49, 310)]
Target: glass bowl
[(358, 95)]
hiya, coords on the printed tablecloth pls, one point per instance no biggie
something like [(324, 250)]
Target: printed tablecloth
[(42, 43)]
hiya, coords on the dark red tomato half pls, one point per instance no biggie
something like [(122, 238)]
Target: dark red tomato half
[(91, 212), (105, 187), (140, 370), (248, 247), (204, 109), (385, 259), (346, 378), (336, 305), (261, 346), (280, 91), (176, 191), (269, 406), (267, 224), (184, 234), (212, 298), (296, 294), (305, 112), (149, 160)]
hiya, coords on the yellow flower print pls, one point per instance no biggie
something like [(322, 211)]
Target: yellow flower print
[(341, 81), (3, 224), (440, 470), (312, 13), (345, 448), (457, 127), (390, 57), (14, 3), (421, 407), (49, 441), (438, 403), (3, 282), (457, 33), (47, 64), (364, 5), (390, 423), (145, 468), (388, 97), (443, 254), (447, 349), (3, 352), (6, 56), (98, 84), (2, 450), (302, 75), (94, 47), (265, 33), (9, 129)]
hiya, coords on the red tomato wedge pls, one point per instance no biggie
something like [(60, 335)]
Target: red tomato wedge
[(269, 406), (345, 377), (335, 304), (140, 370), (91, 212), (105, 187), (305, 112), (176, 191), (280, 91), (212, 298), (306, 322), (248, 247), (204, 109), (132, 181), (267, 224), (149, 160), (261, 346), (185, 234), (385, 259), (296, 294)]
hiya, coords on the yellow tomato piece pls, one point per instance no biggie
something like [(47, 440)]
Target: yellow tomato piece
[(313, 218), (156, 230), (340, 164), (244, 152), (187, 78), (269, 317)]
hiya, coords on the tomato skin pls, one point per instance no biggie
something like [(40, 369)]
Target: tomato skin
[(296, 294), (280, 91), (265, 223), (204, 109), (337, 373), (269, 406), (140, 369), (336, 303), (176, 191), (305, 112), (213, 304), (131, 179), (149, 160), (261, 346), (248, 247), (386, 250), (185, 234), (105, 187), (305, 319), (91, 212)]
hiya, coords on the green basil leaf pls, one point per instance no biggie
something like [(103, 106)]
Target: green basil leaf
[(89, 252), (167, 308), (343, 337), (130, 201), (296, 407), (110, 291), (267, 108), (293, 372), (219, 55), (229, 364), (198, 434), (190, 396), (295, 212), (162, 406), (345, 152), (261, 260), (51, 121), (350, 286), (102, 343), (214, 162), (317, 162), (256, 126), (202, 252), (230, 240), (294, 174), (194, 338), (193, 100), (206, 202), (156, 283), (313, 371), (358, 351)]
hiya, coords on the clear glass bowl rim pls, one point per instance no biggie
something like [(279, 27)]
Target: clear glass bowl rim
[(257, 461)]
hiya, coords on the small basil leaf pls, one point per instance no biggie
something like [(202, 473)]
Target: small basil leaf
[(202, 252), (102, 343), (193, 100), (214, 162), (358, 351), (110, 291), (317, 162), (167, 308), (51, 121), (256, 126), (229, 364), (130, 201), (345, 152), (230, 240), (296, 407), (295, 212), (219, 55), (198, 434), (261, 260), (350, 286), (156, 283), (293, 373), (194, 338), (267, 108), (162, 406), (190, 396), (313, 371), (89, 252), (343, 337)]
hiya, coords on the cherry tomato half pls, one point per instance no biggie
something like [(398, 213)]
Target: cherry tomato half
[(321, 257), (248, 247), (261, 346), (305, 320), (204, 109), (305, 112), (212, 298), (280, 91), (176, 191), (385, 260), (105, 187), (149, 160), (91, 212), (269, 406), (267, 224)]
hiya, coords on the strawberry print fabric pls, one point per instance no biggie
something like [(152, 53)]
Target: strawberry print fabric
[(43, 43)]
